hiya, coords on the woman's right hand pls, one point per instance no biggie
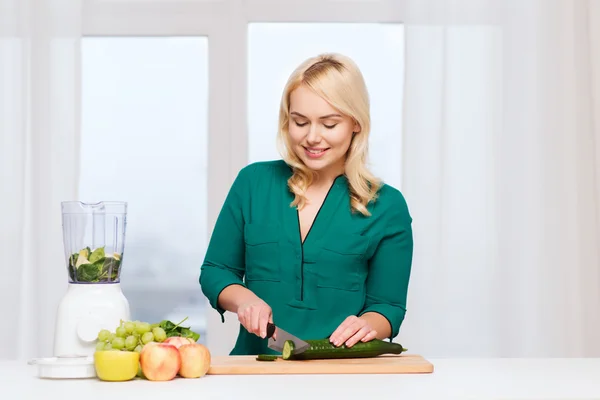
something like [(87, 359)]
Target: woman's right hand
[(254, 316)]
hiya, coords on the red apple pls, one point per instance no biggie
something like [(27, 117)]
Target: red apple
[(160, 361), (177, 341), (195, 360)]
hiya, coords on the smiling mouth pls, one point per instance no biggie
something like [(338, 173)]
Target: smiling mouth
[(315, 151)]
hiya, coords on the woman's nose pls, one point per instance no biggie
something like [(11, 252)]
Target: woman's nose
[(314, 136)]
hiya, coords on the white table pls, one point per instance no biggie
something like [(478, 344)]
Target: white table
[(452, 378)]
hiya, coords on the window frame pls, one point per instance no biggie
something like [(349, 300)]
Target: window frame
[(224, 23)]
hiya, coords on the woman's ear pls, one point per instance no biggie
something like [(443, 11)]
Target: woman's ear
[(356, 127)]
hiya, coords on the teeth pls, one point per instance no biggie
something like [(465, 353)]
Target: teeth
[(315, 151)]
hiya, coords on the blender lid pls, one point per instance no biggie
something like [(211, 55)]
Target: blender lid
[(67, 367)]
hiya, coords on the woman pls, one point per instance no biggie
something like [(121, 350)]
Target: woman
[(314, 242)]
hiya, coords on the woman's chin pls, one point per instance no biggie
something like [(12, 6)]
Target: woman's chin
[(315, 165)]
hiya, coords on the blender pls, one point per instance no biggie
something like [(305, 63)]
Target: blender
[(94, 240)]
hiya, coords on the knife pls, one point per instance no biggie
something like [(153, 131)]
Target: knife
[(282, 336)]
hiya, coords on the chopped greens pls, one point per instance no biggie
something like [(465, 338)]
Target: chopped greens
[(94, 266)]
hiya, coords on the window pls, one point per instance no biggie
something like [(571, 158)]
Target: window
[(377, 49), (144, 141)]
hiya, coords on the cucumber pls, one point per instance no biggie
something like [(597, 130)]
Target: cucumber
[(266, 357), (324, 349)]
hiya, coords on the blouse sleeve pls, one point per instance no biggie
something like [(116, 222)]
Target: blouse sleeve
[(224, 263), (389, 268)]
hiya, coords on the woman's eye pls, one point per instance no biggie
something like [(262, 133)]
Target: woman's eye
[(298, 124), (330, 126)]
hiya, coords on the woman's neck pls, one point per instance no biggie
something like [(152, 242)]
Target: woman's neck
[(327, 177)]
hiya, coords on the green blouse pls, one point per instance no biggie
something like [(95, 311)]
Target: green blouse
[(349, 264)]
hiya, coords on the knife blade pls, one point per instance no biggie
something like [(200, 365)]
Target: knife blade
[(282, 336)]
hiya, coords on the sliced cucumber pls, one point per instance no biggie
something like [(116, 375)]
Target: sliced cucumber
[(288, 349), (266, 357)]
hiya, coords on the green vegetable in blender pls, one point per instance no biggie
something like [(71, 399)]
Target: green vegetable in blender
[(88, 273), (94, 266), (97, 255)]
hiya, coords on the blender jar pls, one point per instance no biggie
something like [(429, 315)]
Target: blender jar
[(94, 239)]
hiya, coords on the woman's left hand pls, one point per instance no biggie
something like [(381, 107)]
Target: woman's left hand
[(351, 331)]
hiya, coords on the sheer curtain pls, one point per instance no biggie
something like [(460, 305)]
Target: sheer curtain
[(39, 113), (502, 129), (502, 118)]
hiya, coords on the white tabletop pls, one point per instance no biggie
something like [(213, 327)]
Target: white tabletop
[(452, 378)]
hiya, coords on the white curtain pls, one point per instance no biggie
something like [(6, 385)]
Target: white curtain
[(502, 124), (39, 134), (501, 150)]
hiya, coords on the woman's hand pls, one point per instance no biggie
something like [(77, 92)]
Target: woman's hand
[(254, 316), (351, 331)]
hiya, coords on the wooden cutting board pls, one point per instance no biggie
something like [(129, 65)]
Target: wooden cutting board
[(388, 364)]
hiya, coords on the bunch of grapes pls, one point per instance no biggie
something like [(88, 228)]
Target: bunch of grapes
[(130, 336)]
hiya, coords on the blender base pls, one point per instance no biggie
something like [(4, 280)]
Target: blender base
[(84, 310)]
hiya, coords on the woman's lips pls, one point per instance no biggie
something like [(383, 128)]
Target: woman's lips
[(313, 152)]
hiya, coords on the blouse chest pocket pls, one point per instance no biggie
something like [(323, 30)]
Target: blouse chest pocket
[(343, 262), (262, 252)]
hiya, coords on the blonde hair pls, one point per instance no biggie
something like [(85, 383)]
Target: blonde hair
[(337, 79)]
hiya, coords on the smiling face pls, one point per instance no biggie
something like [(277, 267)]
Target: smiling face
[(319, 134)]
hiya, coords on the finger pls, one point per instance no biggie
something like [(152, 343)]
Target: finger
[(343, 326), (349, 332), (244, 321), (337, 335), (361, 333), (255, 320), (263, 318), (370, 336), (248, 317)]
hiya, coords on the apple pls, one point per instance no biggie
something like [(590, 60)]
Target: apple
[(195, 360), (178, 341), (160, 361), (148, 345)]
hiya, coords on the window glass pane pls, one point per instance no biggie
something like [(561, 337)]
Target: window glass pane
[(275, 49), (144, 141)]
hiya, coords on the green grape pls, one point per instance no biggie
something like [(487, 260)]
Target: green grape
[(103, 335), (108, 346), (138, 348), (159, 334), (129, 327), (143, 327), (147, 337), (100, 346), (121, 332), (131, 342), (118, 343), (111, 337)]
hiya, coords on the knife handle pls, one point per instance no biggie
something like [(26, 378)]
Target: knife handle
[(270, 329)]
